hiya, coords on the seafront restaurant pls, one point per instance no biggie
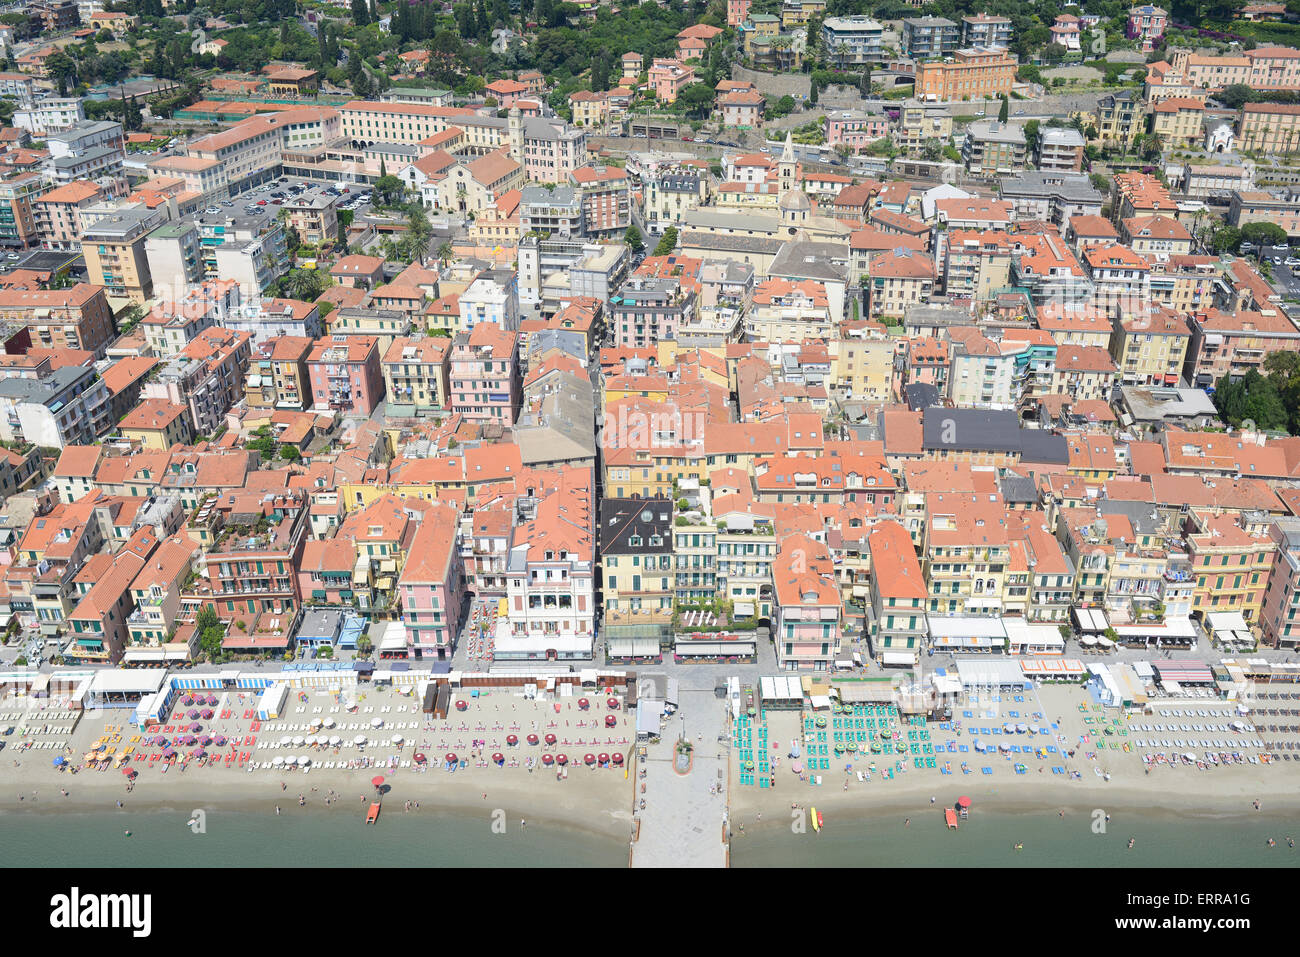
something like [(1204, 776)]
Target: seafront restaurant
[(722, 647), (967, 634), (1173, 675), (1024, 638), (1179, 633), (1052, 669), (1229, 631), (1090, 621), (990, 674), (123, 687)]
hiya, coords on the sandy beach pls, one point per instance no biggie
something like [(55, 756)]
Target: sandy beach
[(1222, 791), (597, 800)]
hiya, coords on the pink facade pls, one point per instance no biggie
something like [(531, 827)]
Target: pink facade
[(1147, 25), (737, 11), (668, 78), (484, 375), (432, 587), (855, 131), (346, 375)]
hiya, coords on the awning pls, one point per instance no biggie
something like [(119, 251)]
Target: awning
[(634, 647), (745, 608), (900, 657), (1090, 619), (715, 649)]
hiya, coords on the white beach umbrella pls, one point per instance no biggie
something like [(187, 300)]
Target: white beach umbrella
[(290, 759), (359, 740), (329, 722), (376, 722), (398, 739), (286, 741), (335, 740), (298, 740), (304, 760), (277, 760), (316, 722)]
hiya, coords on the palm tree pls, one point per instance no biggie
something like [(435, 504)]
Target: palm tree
[(445, 253), (418, 244)]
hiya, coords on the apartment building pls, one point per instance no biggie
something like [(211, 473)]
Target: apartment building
[(1179, 121), (668, 78), (113, 248), (207, 376), (415, 375), (432, 587), (1118, 119), (648, 310), (971, 74), (638, 579), (251, 568), (965, 554), (808, 617), (1269, 128), (1278, 616), (1150, 348), (985, 30), (278, 377), (483, 375), (977, 264), (1059, 149), (925, 38), (1146, 25), (604, 196), (75, 318), (1233, 344), (1231, 566), (345, 375), (993, 147), (852, 41), (899, 280)]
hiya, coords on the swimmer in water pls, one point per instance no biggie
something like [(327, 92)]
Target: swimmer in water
[(1130, 843), (1019, 847), (1272, 843)]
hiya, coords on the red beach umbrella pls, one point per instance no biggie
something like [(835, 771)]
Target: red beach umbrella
[(532, 739), (617, 758), (562, 758), (613, 703), (963, 802), (377, 780), (584, 704), (589, 759), (451, 759), (603, 758), (512, 739), (548, 759), (550, 739), (499, 758), (610, 721)]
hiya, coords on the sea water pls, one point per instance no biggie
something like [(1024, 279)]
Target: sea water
[(297, 838), (989, 839)]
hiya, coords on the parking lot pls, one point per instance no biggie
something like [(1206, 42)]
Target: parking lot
[(347, 197)]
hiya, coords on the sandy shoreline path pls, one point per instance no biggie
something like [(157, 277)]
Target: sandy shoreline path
[(596, 799)]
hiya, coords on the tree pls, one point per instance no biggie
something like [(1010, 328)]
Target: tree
[(360, 13), (446, 252), (1264, 234), (1253, 398), (1226, 239), (1004, 110), (931, 149), (1031, 137), (633, 239), (782, 107), (290, 453), (667, 242), (390, 189), (1235, 96)]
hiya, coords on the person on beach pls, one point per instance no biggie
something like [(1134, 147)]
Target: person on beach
[(907, 822)]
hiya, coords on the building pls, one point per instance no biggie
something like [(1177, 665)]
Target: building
[(671, 192), (855, 129), (1146, 25), (415, 376), (250, 568), (483, 375), (76, 318), (852, 41), (113, 248), (668, 78), (345, 374), (604, 196), (646, 311), (637, 560), (158, 424), (985, 30), (926, 38), (1270, 128), (1179, 121), (808, 613), (971, 74), (1278, 616), (1233, 344), (993, 147), (278, 377), (1151, 348), (1119, 119), (432, 587), (899, 280), (742, 108), (898, 595), (1059, 149)]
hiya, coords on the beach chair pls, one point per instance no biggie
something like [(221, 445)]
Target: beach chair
[(988, 770)]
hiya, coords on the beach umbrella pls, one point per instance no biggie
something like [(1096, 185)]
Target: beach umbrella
[(196, 727), (207, 714), (602, 758), (277, 760), (60, 761), (610, 721), (316, 722), (351, 704), (286, 740), (499, 758), (299, 740), (376, 722), (419, 757), (194, 713), (548, 759), (304, 760), (512, 739), (613, 703), (797, 767), (199, 752), (329, 722), (398, 739), (532, 739), (461, 706), (359, 740), (290, 759), (562, 758), (205, 740), (335, 740), (550, 739), (616, 758), (219, 740), (451, 758), (963, 801), (212, 700), (589, 759), (584, 704)]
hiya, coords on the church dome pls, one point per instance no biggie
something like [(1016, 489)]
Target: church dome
[(795, 200)]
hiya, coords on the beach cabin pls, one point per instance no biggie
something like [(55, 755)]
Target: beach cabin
[(272, 703)]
